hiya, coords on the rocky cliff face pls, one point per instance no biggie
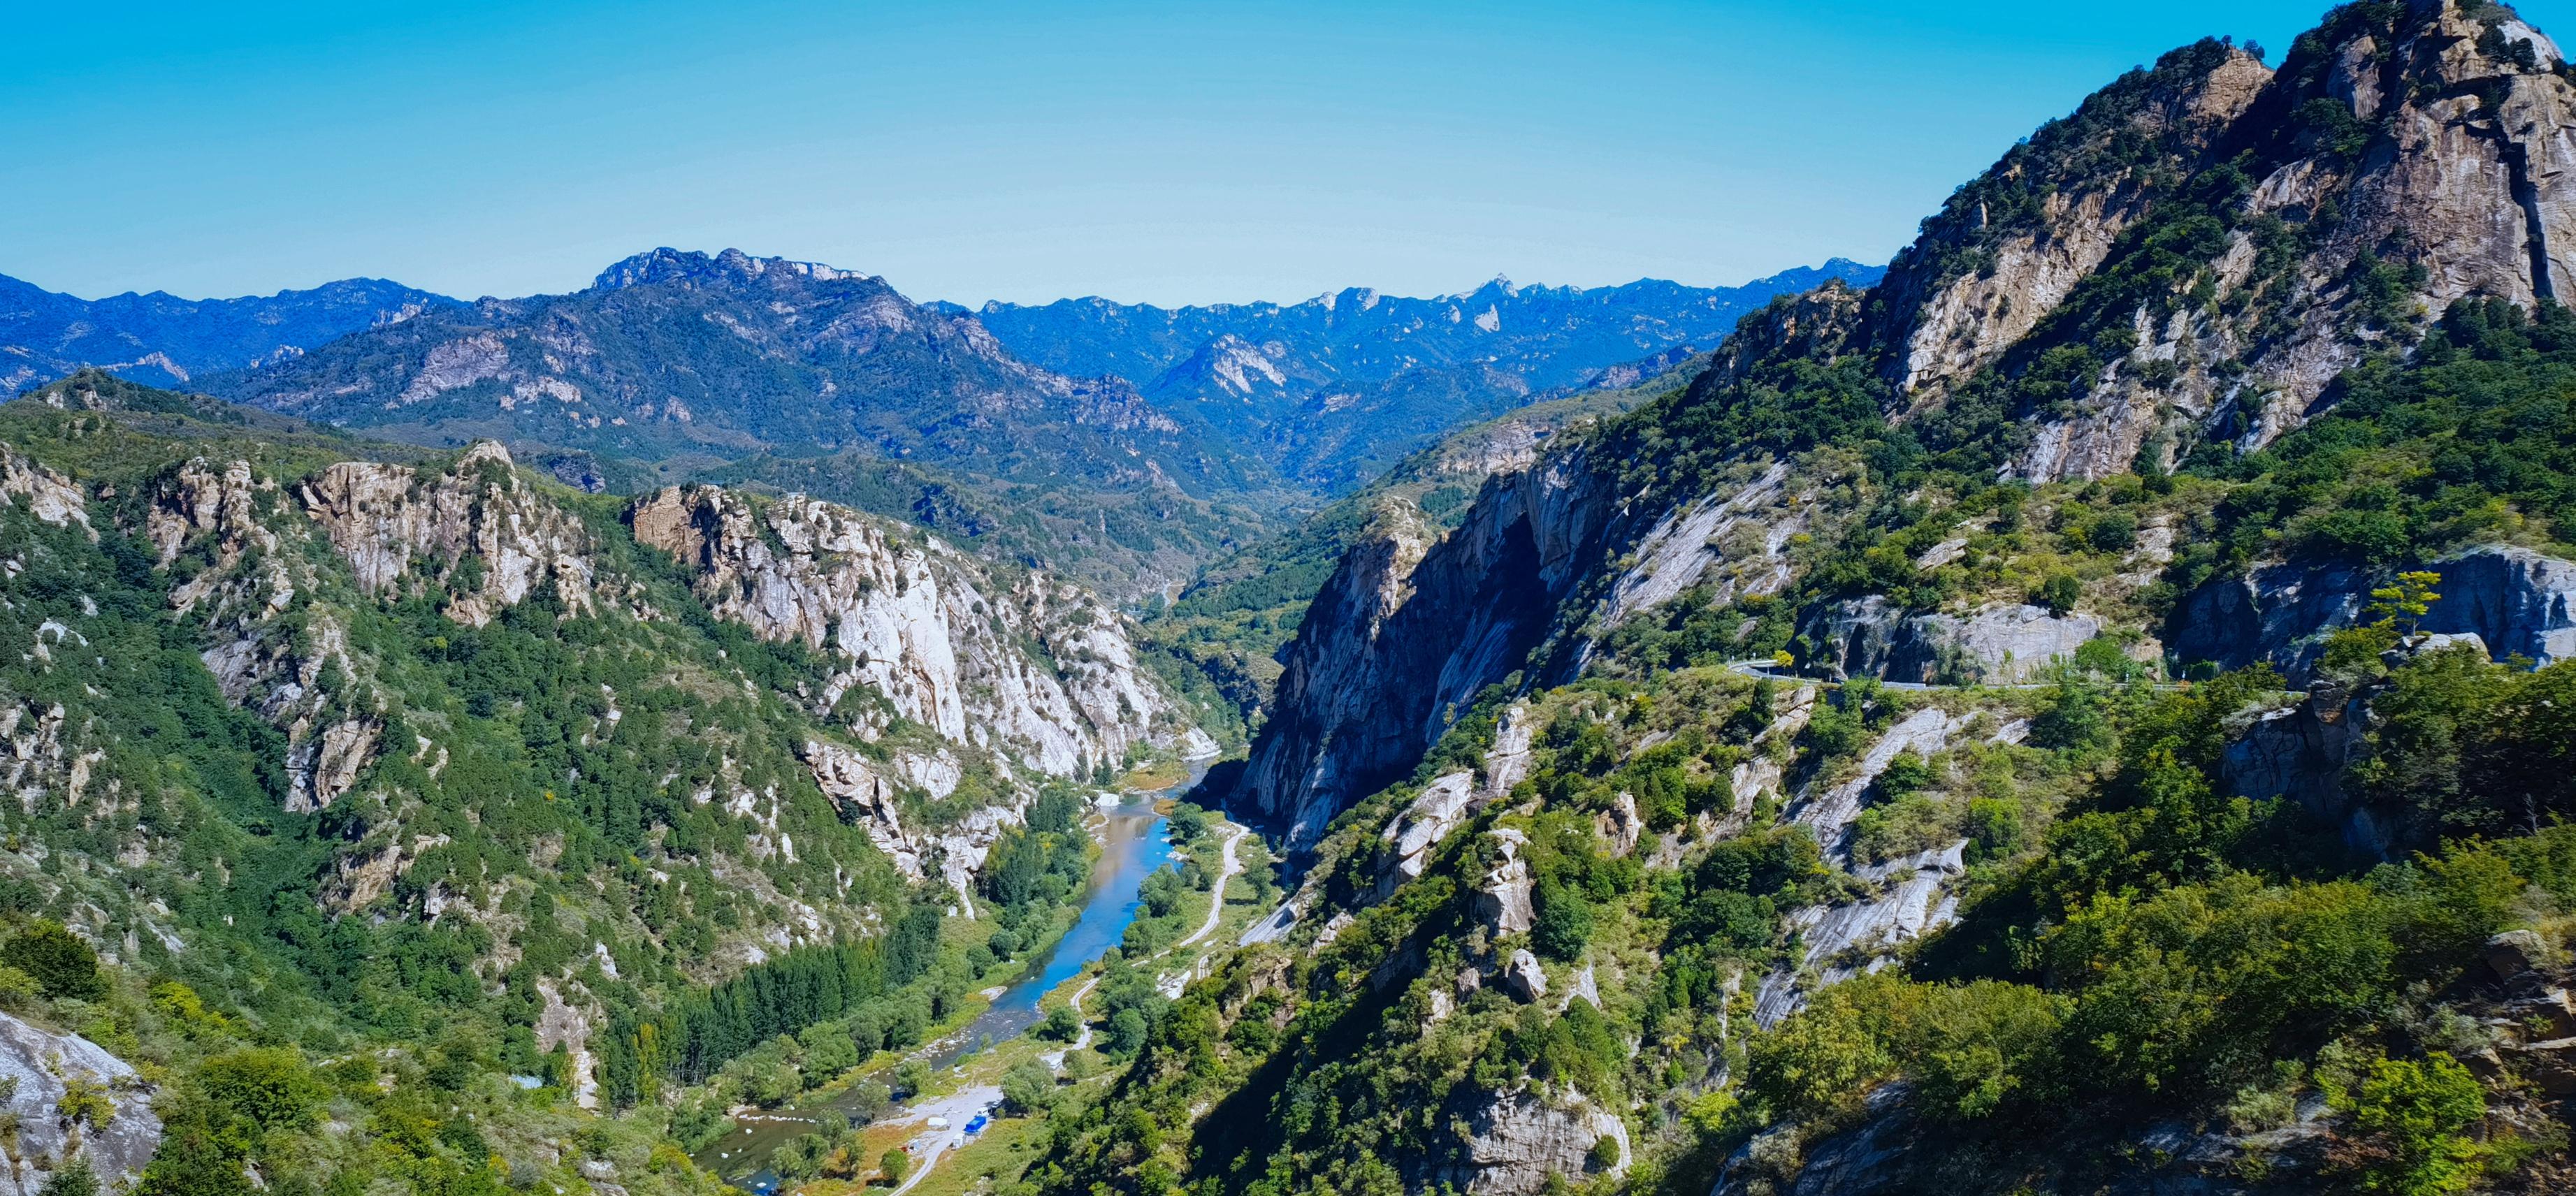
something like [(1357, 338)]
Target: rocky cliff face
[(2296, 218), (1409, 630), (2403, 157), (1025, 671), (2516, 601), (909, 618)]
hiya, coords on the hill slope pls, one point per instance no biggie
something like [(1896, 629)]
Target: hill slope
[(1788, 786), (445, 773)]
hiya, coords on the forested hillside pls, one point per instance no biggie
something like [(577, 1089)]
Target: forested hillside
[(2084, 714), (352, 782)]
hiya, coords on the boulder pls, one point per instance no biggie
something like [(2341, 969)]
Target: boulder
[(1411, 835), (2550, 1064), (2551, 1012), (1515, 1143), (2515, 952), (1503, 896), (1524, 978)]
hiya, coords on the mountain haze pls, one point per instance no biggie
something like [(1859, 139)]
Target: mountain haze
[(166, 340)]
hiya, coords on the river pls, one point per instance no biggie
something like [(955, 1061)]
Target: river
[(1133, 846)]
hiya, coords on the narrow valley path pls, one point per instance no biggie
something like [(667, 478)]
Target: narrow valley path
[(1216, 899), (958, 1109)]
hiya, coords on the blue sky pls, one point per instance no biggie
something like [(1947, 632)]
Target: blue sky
[(1148, 152)]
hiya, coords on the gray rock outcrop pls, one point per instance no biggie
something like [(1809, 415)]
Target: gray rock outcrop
[(2516, 601), (1410, 836), (910, 618), (1503, 896), (2002, 644), (1524, 978), (1513, 1143), (39, 1068)]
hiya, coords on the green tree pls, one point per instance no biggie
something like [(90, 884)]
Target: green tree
[(2414, 1114), (1028, 1087), (268, 1085), (1563, 926), (75, 1179), (2402, 607), (892, 1166), (1062, 1024), (63, 965)]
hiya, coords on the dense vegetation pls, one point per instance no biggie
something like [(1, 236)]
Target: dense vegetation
[(548, 872)]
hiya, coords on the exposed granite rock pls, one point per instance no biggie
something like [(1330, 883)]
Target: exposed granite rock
[(1524, 978), (1843, 941), (43, 1066), (1409, 838), (1743, 531), (909, 618), (1503, 896), (1512, 1143), (2516, 601), (1830, 813), (393, 521), (1508, 761), (2004, 644), (50, 497)]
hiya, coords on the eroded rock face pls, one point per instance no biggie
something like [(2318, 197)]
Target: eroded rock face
[(1503, 896), (394, 523), (2480, 192), (906, 617), (1830, 811), (1843, 941), (1409, 838), (1512, 1143), (2516, 601), (2003, 644), (1524, 978), (50, 497), (44, 1066), (1734, 539), (1405, 633)]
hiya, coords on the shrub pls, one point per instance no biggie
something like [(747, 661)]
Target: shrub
[(269, 1085), (1028, 1087), (62, 964), (2412, 1116), (1563, 926)]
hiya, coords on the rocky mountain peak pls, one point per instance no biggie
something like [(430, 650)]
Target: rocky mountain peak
[(732, 267)]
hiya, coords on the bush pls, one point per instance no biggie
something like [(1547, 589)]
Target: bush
[(1604, 1154), (62, 964), (2412, 1116), (1563, 926), (268, 1085), (1028, 1087)]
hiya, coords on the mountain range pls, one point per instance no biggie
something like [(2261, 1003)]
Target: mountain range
[(1033, 442), (2091, 712), (1337, 388), (168, 341)]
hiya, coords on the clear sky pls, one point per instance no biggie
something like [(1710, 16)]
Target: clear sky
[(1172, 153)]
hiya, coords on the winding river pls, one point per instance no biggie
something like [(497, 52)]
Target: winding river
[(1133, 846)]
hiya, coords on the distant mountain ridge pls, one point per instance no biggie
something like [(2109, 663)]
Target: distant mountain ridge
[(1337, 388), (162, 339), (673, 354)]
